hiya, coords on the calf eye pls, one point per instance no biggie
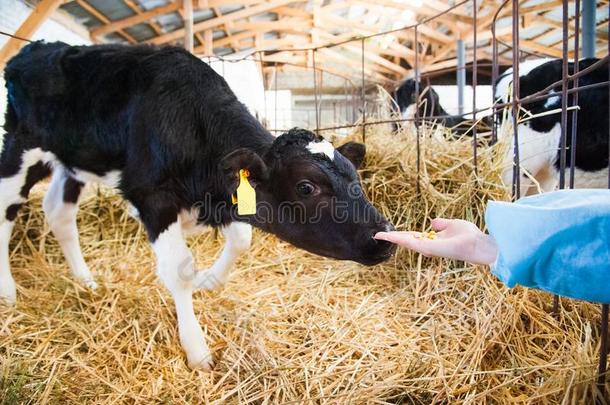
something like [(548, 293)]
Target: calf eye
[(305, 188)]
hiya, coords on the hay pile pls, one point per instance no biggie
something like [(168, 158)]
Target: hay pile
[(290, 327)]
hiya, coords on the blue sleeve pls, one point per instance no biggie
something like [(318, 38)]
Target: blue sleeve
[(558, 242)]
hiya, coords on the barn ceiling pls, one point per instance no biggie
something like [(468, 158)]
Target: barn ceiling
[(285, 29)]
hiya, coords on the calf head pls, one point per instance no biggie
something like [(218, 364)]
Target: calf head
[(309, 194), (406, 99)]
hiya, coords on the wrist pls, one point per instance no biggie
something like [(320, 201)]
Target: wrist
[(486, 250)]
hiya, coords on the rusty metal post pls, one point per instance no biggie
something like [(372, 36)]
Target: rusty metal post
[(515, 103), (260, 59), (315, 91), (564, 96), (417, 78), (474, 86), (461, 74), (363, 98), (574, 128), (275, 101), (495, 72), (603, 350), (564, 113)]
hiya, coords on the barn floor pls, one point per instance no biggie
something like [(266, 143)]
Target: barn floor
[(291, 327)]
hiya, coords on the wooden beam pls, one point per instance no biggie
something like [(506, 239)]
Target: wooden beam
[(136, 9), (208, 42), (103, 19), (214, 22), (228, 29), (187, 6), (38, 15), (371, 56), (113, 26), (292, 12)]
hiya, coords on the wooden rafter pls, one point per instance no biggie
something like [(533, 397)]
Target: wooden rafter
[(315, 24), (136, 19), (93, 11), (215, 22)]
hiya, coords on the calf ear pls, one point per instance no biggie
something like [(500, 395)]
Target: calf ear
[(354, 152), (231, 164)]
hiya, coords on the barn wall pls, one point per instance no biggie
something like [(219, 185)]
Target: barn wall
[(14, 12), (246, 81), (448, 96)]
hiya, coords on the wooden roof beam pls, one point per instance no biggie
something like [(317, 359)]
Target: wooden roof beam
[(112, 26), (93, 11), (215, 22)]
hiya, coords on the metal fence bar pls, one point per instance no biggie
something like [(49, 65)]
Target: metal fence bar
[(315, 90), (515, 102), (474, 87), (275, 101), (363, 97), (603, 350), (574, 128), (417, 131)]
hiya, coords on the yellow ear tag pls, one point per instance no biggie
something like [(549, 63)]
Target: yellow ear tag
[(246, 196)]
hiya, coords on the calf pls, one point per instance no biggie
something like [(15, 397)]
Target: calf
[(165, 130), (540, 137), (430, 108)]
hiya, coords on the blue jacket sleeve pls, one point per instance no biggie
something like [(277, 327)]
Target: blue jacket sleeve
[(558, 242)]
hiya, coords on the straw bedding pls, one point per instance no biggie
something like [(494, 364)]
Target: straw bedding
[(291, 327)]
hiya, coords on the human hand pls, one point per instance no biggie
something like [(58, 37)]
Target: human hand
[(455, 239)]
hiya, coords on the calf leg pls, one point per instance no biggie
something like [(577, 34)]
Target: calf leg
[(60, 206), (175, 269), (19, 170), (238, 237)]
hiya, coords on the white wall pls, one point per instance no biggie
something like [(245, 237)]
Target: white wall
[(244, 78), (12, 14), (448, 96), (280, 117)]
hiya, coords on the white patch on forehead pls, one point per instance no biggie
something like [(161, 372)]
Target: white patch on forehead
[(323, 147)]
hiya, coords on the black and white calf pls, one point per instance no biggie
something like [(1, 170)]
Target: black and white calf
[(165, 130), (430, 108), (540, 138)]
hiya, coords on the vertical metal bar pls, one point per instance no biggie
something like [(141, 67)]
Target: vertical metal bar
[(588, 28), (275, 101), (603, 351), (363, 98), (564, 96), (260, 59), (461, 74), (494, 85), (315, 91), (564, 112), (474, 87), (346, 102), (417, 78), (574, 127), (515, 102)]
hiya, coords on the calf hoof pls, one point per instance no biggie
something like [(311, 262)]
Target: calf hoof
[(8, 293), (201, 361), (91, 284)]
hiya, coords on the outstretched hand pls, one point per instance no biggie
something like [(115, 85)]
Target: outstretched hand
[(455, 239)]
